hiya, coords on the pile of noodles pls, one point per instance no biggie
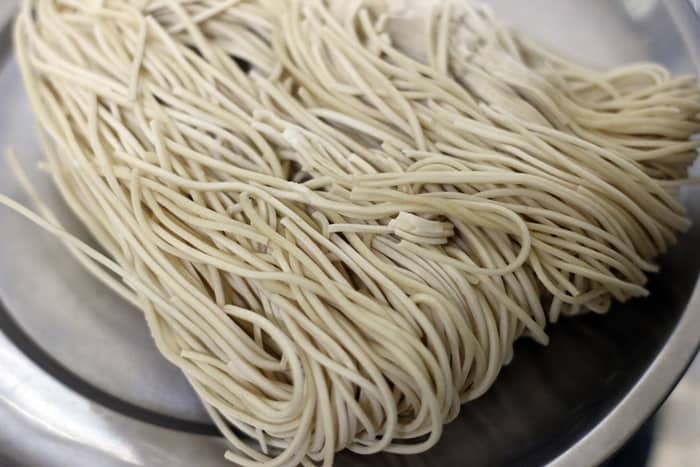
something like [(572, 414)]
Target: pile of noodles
[(336, 238)]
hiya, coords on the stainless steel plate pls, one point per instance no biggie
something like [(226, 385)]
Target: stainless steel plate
[(81, 383)]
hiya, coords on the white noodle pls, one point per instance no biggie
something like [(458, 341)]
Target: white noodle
[(340, 245)]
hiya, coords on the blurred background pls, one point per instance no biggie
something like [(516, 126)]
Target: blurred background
[(675, 432)]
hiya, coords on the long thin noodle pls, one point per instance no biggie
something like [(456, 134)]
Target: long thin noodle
[(338, 242)]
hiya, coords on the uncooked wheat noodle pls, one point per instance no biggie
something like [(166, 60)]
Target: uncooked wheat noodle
[(338, 237)]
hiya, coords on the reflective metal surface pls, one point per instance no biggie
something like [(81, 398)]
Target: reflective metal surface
[(82, 384), (45, 423)]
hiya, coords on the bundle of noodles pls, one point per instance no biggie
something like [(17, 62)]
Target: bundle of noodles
[(338, 242)]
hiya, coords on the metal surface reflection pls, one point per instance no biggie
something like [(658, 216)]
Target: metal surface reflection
[(24, 390), (45, 423)]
